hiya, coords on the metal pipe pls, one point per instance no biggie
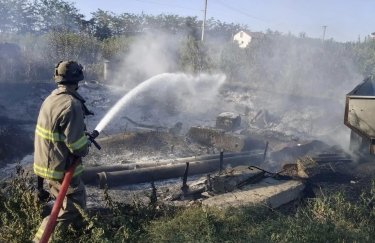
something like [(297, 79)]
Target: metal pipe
[(198, 158), (127, 177), (204, 157), (90, 173)]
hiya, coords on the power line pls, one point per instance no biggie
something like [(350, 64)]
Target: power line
[(239, 11), (165, 4)]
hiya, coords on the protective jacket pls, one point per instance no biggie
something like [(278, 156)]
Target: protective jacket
[(60, 133)]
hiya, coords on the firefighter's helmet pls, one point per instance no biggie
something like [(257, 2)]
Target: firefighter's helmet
[(68, 72)]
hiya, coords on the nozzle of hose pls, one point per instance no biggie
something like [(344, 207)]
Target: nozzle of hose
[(91, 136)]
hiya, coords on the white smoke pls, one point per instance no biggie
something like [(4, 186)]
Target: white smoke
[(306, 101), (159, 95), (149, 54)]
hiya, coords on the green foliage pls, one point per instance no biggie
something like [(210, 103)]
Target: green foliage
[(327, 219), (127, 223), (114, 48), (56, 15), (43, 16), (234, 62), (66, 45), (16, 15), (34, 56), (103, 24), (193, 56), (38, 16), (365, 57), (19, 210)]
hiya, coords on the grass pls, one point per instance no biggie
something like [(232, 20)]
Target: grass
[(329, 218)]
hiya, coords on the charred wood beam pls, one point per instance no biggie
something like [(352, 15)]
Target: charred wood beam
[(326, 158), (185, 187), (221, 160)]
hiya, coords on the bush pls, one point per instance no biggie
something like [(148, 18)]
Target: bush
[(19, 210), (65, 45)]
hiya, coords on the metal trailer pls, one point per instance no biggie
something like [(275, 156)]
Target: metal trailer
[(360, 117)]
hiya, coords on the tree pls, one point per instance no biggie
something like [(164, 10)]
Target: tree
[(365, 57), (16, 16), (218, 29), (104, 24), (57, 15), (233, 62), (66, 45), (193, 56)]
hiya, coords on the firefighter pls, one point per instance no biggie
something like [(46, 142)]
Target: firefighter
[(60, 138)]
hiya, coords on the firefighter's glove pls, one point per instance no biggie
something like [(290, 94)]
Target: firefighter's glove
[(89, 142)]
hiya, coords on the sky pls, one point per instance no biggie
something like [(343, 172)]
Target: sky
[(345, 20)]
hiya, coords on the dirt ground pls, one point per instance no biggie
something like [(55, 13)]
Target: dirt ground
[(16, 141)]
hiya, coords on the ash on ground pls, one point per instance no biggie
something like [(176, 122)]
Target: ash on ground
[(288, 127)]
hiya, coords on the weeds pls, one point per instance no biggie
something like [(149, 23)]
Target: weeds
[(19, 210), (328, 218)]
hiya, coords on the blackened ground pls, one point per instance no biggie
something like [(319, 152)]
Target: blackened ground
[(349, 178), (19, 106), (15, 141), (143, 145)]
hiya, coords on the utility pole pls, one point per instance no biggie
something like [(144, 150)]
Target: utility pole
[(204, 20), (324, 31)]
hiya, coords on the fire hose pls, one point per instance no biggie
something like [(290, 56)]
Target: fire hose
[(52, 221)]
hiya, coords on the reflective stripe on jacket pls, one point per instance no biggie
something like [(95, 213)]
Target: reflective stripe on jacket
[(59, 134)]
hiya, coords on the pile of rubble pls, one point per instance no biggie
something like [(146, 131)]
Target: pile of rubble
[(235, 175)]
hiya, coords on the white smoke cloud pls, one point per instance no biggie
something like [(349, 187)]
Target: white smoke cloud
[(308, 101), (150, 53), (157, 94)]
